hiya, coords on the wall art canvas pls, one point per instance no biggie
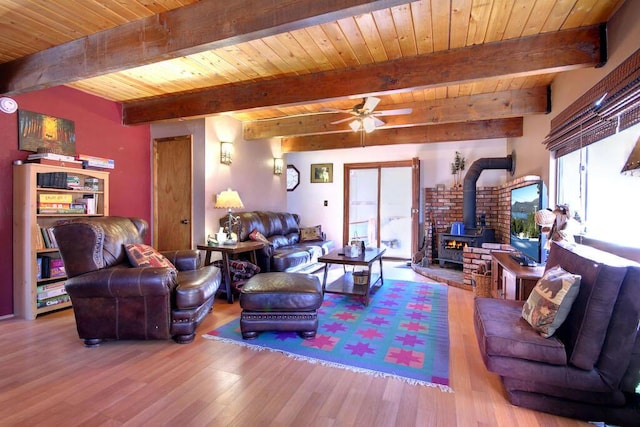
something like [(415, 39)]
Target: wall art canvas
[(54, 134), (322, 172)]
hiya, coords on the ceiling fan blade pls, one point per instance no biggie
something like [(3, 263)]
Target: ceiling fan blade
[(342, 121), (397, 112), (370, 103), (333, 110), (378, 122)]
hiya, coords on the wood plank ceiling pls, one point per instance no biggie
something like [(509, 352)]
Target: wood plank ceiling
[(469, 69)]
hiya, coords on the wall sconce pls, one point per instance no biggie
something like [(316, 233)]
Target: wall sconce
[(277, 166), (226, 152)]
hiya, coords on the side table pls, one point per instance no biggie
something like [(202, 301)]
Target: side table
[(227, 250)]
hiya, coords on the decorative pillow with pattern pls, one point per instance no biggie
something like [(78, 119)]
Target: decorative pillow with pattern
[(310, 234), (551, 299), (257, 236), (240, 270), (145, 256)]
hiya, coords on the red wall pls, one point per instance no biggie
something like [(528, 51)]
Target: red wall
[(99, 132)]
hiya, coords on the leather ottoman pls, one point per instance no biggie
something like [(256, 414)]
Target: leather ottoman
[(280, 302)]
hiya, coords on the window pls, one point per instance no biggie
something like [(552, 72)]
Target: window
[(607, 202)]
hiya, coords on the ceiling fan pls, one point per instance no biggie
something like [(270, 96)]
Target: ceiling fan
[(365, 117)]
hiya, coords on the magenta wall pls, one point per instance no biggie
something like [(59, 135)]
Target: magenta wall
[(99, 132)]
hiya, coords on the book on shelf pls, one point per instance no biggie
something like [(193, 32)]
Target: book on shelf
[(50, 286), (60, 163), (60, 299), (55, 198), (52, 180), (90, 203), (56, 268), (39, 268), (52, 292), (39, 240), (51, 156), (95, 162), (45, 237)]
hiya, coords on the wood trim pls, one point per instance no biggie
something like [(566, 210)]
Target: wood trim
[(470, 131), (506, 104), (183, 31), (528, 56)]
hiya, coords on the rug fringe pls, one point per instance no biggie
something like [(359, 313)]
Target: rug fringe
[(312, 360)]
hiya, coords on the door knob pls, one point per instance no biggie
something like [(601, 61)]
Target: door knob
[(185, 221)]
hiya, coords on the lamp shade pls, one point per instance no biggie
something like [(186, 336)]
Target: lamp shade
[(229, 199)]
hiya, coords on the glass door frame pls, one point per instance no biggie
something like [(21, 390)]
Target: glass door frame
[(414, 163)]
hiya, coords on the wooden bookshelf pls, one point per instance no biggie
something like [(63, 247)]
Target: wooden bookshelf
[(27, 224)]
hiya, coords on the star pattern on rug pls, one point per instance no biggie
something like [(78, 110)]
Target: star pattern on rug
[(409, 340), (334, 327), (322, 342), (418, 306), (369, 333), (342, 315), (413, 327), (378, 320), (359, 349), (400, 356), (384, 311), (416, 315)]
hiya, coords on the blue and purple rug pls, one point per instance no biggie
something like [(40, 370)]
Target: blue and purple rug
[(403, 333)]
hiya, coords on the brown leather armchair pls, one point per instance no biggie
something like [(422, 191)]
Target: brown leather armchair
[(114, 300)]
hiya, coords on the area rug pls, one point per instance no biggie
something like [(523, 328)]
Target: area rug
[(403, 333)]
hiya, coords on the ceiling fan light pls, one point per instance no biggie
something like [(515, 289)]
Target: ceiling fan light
[(355, 125), (369, 124)]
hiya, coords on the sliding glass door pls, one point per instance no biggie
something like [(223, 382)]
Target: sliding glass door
[(382, 205)]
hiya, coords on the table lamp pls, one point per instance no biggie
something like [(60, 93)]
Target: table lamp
[(229, 199)]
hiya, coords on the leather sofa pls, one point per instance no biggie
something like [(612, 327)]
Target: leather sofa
[(113, 300), (285, 250), (590, 368)]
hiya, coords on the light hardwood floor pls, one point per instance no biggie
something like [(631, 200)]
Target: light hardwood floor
[(48, 378)]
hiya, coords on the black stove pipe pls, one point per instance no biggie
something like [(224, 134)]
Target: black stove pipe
[(469, 184)]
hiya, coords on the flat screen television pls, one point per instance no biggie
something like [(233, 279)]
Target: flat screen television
[(525, 234)]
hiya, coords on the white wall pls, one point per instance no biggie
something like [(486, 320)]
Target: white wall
[(435, 159), (250, 174)]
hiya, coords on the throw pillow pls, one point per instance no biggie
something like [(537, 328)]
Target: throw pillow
[(257, 236), (309, 234), (145, 256), (550, 301)]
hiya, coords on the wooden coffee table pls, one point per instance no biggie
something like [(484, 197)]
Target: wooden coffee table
[(344, 284)]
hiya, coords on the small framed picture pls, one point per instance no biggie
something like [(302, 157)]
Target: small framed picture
[(322, 172)]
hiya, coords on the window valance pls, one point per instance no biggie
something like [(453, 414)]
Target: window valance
[(610, 106)]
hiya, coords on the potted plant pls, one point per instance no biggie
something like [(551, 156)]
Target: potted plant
[(456, 170)]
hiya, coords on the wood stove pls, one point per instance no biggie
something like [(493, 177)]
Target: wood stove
[(451, 246)]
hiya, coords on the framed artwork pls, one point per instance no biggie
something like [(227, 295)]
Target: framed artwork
[(37, 130), (322, 172)]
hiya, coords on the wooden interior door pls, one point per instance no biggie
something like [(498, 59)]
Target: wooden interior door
[(172, 193)]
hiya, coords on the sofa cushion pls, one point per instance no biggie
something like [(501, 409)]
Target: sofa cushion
[(623, 337), (501, 331), (257, 236), (550, 300), (585, 328), (310, 234), (141, 255)]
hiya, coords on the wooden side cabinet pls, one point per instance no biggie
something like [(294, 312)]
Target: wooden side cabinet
[(33, 291), (510, 280)]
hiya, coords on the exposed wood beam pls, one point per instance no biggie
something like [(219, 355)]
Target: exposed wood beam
[(499, 105), (198, 27), (504, 128), (540, 54)]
